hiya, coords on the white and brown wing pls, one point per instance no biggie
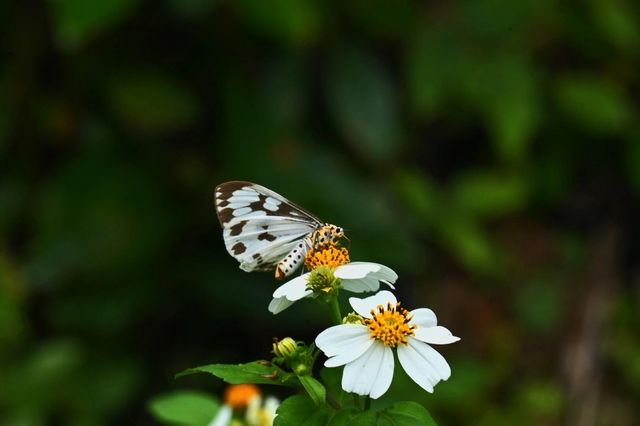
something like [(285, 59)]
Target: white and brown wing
[(260, 226)]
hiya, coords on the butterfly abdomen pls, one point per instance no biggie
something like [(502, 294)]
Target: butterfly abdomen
[(293, 259)]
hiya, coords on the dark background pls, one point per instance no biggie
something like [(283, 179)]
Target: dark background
[(488, 151)]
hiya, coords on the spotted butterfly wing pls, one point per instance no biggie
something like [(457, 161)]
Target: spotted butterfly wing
[(261, 227)]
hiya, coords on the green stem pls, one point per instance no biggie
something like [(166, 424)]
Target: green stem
[(335, 310), (367, 403), (331, 400)]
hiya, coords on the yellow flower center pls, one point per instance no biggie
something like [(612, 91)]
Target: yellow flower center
[(390, 325), (239, 396), (329, 255)]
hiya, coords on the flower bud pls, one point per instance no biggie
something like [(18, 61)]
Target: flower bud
[(285, 348), (352, 318)]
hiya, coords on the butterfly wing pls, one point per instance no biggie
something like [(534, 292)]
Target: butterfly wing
[(260, 226)]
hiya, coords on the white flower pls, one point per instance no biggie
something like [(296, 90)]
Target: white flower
[(259, 414), (246, 398), (357, 277), (365, 349), (222, 417)]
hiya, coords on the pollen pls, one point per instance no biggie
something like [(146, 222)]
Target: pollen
[(390, 325), (239, 396), (329, 255)]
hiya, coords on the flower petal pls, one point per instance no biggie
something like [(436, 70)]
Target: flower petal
[(357, 346), (423, 364), (355, 270), (294, 289), (435, 335), (279, 304), (222, 417), (342, 338), (360, 285), (424, 317), (366, 305), (371, 373)]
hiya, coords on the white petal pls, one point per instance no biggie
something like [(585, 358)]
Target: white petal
[(370, 374), (223, 417), (294, 289), (356, 347), (271, 404), (279, 304), (423, 317), (360, 285), (435, 335), (355, 270), (423, 364), (366, 305), (341, 338)]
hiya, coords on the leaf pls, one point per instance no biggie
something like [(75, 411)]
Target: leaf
[(151, 102), (314, 388), (406, 413), (300, 410), (293, 22), (352, 416), (595, 103), (259, 372), (363, 103), (76, 20), (510, 103), (470, 243), (185, 408), (618, 22), (332, 379), (489, 194)]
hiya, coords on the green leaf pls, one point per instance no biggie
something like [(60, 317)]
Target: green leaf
[(618, 22), (184, 408), (77, 20), (510, 103), (314, 388), (595, 103), (152, 102), (352, 416), (363, 103), (406, 413), (259, 372), (293, 22), (332, 379), (489, 194), (300, 410)]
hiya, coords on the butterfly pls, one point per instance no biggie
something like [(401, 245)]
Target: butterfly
[(263, 230)]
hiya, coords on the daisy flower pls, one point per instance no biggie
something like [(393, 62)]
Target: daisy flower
[(364, 345), (330, 269), (246, 398)]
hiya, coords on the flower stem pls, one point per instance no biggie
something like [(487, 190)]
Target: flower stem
[(367, 403), (335, 310), (331, 400)]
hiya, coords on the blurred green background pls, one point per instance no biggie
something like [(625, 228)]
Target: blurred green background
[(488, 151)]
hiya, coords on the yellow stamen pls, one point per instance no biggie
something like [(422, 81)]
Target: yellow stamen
[(329, 255), (390, 325), (239, 396)]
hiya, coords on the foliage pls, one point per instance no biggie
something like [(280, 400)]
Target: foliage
[(487, 150)]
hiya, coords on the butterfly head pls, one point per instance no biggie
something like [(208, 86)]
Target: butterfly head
[(327, 234)]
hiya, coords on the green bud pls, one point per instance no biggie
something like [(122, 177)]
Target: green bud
[(301, 369), (353, 318), (285, 348)]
